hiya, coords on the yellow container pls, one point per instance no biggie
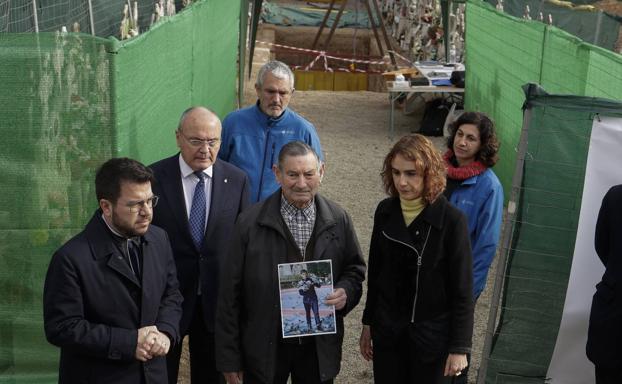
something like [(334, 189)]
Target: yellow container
[(313, 80), (330, 81), (349, 81)]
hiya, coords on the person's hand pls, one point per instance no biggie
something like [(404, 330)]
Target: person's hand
[(365, 343), (455, 364), (159, 343), (338, 298), (233, 377), (142, 346)]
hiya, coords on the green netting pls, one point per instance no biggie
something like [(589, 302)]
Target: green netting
[(188, 60), (504, 52), (56, 125), (589, 25), (70, 102), (18, 16), (540, 256)]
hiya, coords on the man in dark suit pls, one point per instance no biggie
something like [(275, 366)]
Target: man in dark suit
[(111, 300), (200, 199), (605, 330)]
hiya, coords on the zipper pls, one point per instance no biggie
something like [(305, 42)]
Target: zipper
[(419, 263), (263, 164)]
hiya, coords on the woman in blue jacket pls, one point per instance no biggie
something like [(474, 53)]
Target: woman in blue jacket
[(474, 188)]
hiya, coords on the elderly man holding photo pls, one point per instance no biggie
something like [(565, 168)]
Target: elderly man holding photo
[(295, 224)]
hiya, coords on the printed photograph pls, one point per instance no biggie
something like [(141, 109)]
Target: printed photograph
[(303, 290)]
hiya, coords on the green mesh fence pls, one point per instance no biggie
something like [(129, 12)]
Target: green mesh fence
[(541, 254), (191, 59), (544, 232), (56, 127), (70, 102), (18, 16), (589, 25), (504, 52)]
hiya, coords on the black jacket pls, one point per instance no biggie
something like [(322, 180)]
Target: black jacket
[(230, 189), (248, 322), (93, 305), (420, 275), (604, 335)]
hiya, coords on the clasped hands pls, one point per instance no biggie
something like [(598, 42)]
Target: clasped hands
[(151, 343)]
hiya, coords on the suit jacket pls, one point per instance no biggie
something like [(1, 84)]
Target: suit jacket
[(229, 196), (93, 305), (605, 329)]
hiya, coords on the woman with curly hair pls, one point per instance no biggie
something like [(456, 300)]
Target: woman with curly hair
[(418, 318)]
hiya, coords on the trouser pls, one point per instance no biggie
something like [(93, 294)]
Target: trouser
[(608, 375), (202, 356), (312, 306), (298, 360), (401, 363)]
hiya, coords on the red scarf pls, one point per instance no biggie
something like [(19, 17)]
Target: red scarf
[(461, 173)]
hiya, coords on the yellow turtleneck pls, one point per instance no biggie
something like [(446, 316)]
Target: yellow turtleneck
[(411, 209)]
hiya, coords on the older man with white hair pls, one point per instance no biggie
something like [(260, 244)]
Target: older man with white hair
[(253, 136)]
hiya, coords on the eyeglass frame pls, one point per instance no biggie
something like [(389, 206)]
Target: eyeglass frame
[(137, 206), (199, 143)]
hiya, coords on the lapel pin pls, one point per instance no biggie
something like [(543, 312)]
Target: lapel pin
[(226, 180)]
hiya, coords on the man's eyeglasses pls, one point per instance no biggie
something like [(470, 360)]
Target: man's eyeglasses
[(212, 143), (137, 206)]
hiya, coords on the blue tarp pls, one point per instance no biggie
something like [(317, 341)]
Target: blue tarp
[(308, 15)]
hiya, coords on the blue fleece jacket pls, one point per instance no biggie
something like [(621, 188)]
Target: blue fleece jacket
[(481, 199), (252, 140)]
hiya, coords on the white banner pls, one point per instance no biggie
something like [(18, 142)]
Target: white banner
[(569, 364)]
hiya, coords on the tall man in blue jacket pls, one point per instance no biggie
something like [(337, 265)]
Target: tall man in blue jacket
[(252, 137), (200, 199), (111, 300)]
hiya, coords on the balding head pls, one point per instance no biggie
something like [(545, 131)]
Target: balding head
[(198, 137)]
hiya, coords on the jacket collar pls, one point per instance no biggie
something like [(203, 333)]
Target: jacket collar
[(270, 214), (269, 119), (103, 245), (99, 236), (472, 180), (170, 186), (433, 214)]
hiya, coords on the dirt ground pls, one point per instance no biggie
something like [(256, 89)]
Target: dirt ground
[(353, 129)]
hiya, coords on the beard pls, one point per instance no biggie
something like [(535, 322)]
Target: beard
[(127, 228)]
